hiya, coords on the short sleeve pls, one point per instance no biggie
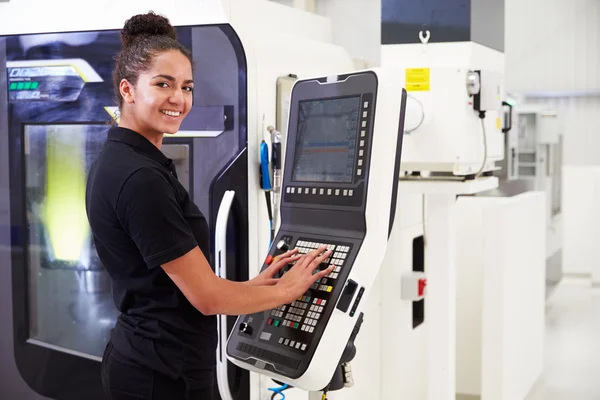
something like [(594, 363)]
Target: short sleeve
[(148, 210)]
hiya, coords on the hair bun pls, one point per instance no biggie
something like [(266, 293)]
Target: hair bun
[(146, 25)]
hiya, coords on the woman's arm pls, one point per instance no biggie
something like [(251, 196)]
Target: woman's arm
[(210, 294)]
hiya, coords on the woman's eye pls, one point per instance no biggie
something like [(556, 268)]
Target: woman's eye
[(163, 84), (188, 89)]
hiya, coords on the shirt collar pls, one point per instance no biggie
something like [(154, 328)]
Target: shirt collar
[(138, 142)]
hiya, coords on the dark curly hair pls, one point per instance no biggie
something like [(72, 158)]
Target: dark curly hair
[(143, 37)]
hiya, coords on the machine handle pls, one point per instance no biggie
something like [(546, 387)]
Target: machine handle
[(221, 271), (510, 111)]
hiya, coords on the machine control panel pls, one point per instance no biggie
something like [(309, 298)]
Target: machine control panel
[(339, 137)]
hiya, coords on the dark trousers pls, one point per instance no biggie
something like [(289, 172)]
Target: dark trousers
[(124, 379)]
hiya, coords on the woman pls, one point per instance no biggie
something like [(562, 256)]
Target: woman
[(153, 239)]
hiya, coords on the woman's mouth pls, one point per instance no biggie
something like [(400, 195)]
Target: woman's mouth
[(171, 113)]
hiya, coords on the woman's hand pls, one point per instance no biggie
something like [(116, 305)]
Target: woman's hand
[(267, 277), (295, 282)]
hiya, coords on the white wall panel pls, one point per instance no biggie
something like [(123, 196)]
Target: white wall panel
[(552, 45)]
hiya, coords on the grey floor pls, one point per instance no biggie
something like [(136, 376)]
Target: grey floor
[(572, 343)]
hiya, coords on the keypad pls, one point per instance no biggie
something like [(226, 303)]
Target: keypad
[(293, 325)]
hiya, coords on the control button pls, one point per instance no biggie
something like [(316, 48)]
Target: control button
[(350, 192), (292, 190), (337, 192), (265, 336), (329, 192), (306, 190), (311, 329), (283, 245), (280, 340), (314, 191), (363, 133), (345, 192), (366, 104), (277, 323), (422, 285), (362, 143), (359, 172), (292, 343), (269, 259), (245, 328), (288, 189), (270, 321), (303, 347), (365, 113), (364, 124), (321, 191), (296, 325), (360, 153), (286, 342), (360, 162), (298, 345)]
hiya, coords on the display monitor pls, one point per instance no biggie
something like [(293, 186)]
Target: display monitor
[(326, 140)]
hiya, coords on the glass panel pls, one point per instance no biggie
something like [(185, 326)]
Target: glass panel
[(70, 301)]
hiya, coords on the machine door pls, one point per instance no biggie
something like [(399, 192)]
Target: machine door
[(56, 107)]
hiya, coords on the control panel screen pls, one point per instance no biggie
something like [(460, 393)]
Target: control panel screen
[(326, 140)]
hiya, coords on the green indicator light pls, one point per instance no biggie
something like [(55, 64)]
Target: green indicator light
[(34, 85), (20, 85), (13, 86), (27, 85)]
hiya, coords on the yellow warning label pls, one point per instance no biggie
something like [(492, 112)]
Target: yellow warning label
[(417, 79)]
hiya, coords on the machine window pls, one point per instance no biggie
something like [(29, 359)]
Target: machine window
[(70, 303)]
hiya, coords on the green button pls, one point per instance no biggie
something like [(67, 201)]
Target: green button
[(296, 325), (277, 322)]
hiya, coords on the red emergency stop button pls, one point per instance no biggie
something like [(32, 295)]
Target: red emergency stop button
[(422, 285), (269, 260)]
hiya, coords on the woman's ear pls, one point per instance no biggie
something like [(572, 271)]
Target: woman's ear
[(127, 91)]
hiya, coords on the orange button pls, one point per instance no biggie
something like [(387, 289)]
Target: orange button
[(269, 260)]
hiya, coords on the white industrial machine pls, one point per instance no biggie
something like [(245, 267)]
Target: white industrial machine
[(454, 107), (248, 55), (339, 189), (453, 140), (534, 146)]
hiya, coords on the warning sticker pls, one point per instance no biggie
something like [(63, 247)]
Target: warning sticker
[(417, 79)]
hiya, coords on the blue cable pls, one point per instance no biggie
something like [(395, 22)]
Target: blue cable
[(265, 182), (279, 391)]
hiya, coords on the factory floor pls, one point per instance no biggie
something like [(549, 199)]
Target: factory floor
[(572, 343)]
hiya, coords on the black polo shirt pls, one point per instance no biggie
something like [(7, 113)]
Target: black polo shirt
[(142, 217)]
